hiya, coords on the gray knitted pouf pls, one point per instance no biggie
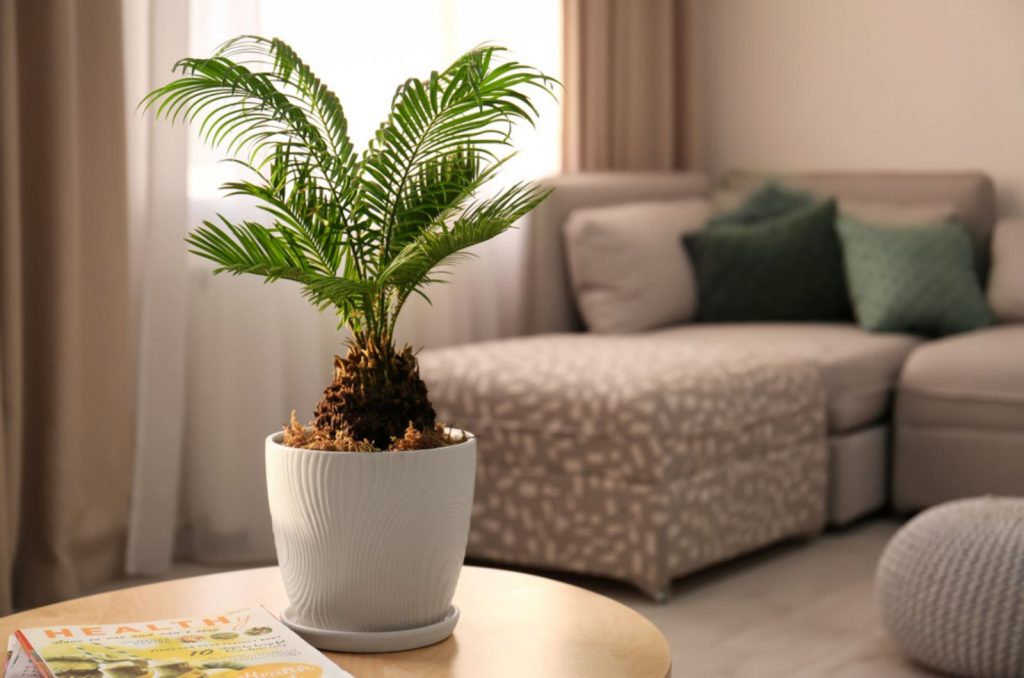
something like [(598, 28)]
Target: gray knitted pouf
[(951, 587)]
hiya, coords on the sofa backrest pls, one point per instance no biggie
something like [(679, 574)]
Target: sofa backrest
[(549, 305), (971, 195)]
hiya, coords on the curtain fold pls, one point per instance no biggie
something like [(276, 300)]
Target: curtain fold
[(11, 350), (156, 36), (629, 79), (65, 345)]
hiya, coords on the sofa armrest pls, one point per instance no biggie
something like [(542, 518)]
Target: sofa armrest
[(549, 305), (1006, 277)]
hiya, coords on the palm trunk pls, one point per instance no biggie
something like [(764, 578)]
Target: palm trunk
[(376, 395)]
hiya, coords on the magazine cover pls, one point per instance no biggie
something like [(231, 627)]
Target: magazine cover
[(249, 643)]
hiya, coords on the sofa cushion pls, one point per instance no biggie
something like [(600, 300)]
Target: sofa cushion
[(785, 268), (971, 194), (919, 279), (973, 380), (548, 298), (1006, 282), (859, 369), (625, 266)]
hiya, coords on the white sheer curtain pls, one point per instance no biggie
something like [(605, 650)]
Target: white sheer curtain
[(253, 352), (155, 34)]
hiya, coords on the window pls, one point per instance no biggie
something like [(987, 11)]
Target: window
[(364, 49)]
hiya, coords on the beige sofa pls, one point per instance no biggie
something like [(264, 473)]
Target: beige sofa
[(959, 421), (957, 429), (556, 490)]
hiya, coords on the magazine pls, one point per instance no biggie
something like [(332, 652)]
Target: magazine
[(249, 643)]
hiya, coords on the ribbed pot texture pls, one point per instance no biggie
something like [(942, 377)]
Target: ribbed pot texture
[(370, 541)]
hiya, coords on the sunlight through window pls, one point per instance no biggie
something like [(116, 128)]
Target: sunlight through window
[(364, 50)]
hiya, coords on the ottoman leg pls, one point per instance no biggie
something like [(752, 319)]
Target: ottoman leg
[(662, 593)]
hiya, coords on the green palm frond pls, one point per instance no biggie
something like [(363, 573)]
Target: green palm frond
[(359, 232), (426, 258), (444, 127), (248, 247)]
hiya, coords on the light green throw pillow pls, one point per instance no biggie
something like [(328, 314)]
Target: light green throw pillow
[(919, 279)]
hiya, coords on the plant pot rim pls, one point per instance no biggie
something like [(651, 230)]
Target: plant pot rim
[(469, 439)]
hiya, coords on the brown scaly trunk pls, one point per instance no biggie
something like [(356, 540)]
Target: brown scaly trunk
[(376, 393)]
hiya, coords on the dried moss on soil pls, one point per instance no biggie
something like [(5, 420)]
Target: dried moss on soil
[(311, 438)]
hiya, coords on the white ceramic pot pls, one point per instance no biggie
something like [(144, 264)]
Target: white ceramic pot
[(370, 542)]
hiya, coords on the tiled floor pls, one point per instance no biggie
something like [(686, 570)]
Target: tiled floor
[(798, 610)]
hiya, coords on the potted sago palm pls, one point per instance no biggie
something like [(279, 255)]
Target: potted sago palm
[(371, 501)]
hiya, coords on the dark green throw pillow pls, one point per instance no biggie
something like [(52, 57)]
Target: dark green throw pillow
[(771, 200), (786, 268), (918, 279)]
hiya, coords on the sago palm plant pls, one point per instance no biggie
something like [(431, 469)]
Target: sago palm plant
[(360, 232)]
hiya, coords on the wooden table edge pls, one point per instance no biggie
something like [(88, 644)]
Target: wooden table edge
[(32, 617)]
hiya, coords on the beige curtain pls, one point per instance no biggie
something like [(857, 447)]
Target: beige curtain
[(10, 308), (65, 350), (630, 73)]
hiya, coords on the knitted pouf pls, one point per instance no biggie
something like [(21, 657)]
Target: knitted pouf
[(951, 587)]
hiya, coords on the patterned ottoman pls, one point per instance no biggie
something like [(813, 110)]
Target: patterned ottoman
[(951, 587), (635, 458)]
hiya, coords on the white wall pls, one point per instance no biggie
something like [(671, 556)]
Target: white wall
[(865, 84)]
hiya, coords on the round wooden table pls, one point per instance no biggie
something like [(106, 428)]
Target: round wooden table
[(512, 624)]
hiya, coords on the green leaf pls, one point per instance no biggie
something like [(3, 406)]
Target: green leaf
[(359, 232)]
